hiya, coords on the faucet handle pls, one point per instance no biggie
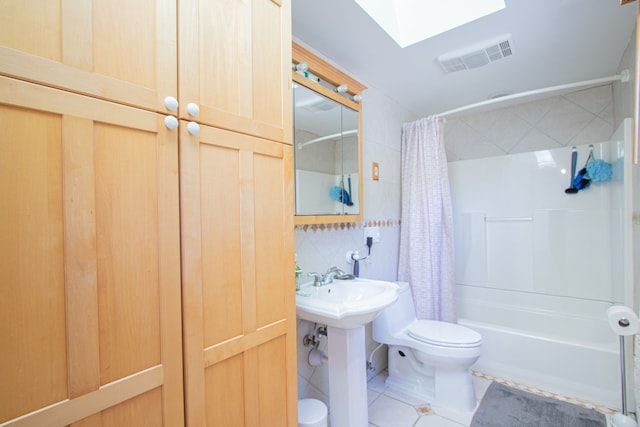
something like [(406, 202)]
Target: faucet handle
[(317, 278)]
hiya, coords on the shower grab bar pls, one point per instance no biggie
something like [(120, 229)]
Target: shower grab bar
[(508, 219)]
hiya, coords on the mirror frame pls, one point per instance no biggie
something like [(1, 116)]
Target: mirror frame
[(335, 77)]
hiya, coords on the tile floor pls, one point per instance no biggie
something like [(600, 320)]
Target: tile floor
[(389, 410)]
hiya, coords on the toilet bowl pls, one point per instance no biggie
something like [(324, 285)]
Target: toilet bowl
[(429, 360), (312, 413)]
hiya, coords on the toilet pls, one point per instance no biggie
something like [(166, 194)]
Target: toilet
[(429, 360), (312, 413)]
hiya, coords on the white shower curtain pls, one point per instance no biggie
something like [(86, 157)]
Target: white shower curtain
[(426, 232)]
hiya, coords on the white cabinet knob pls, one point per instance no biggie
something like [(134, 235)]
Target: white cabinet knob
[(171, 103), (171, 122), (193, 109), (193, 128)]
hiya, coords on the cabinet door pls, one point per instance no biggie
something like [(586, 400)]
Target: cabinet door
[(238, 280), (89, 258), (235, 64), (119, 50)]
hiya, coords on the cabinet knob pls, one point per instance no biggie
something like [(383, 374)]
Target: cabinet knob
[(171, 103), (171, 122), (193, 128), (193, 109)]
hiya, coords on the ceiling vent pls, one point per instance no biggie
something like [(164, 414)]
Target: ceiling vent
[(477, 55)]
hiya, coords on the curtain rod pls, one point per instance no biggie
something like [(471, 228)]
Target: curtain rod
[(623, 77), (324, 138)]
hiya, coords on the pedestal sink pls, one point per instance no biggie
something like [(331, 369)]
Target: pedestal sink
[(345, 306)]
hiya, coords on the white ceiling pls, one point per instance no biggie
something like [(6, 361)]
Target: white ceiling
[(554, 41)]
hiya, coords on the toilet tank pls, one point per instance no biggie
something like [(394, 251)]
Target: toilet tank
[(395, 317)]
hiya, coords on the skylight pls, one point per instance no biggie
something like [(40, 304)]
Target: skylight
[(411, 21)]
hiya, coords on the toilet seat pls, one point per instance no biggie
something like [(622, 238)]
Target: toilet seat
[(443, 334)]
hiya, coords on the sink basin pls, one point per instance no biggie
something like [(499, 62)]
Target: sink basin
[(345, 303)]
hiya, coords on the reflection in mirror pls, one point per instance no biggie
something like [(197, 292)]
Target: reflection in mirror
[(326, 155)]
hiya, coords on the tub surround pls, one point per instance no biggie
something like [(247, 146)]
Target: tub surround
[(538, 278)]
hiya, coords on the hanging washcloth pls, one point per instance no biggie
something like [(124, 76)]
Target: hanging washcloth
[(582, 180)]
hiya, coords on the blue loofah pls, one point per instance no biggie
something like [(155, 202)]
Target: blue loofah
[(599, 171), (336, 194), (340, 195)]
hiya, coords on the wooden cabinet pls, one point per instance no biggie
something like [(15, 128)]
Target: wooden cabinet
[(90, 297), (119, 50), (112, 276), (234, 58), (236, 189), (238, 299), (235, 64)]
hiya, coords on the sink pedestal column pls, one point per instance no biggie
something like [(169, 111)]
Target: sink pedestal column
[(347, 377)]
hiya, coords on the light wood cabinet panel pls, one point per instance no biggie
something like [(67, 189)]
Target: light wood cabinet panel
[(90, 316), (235, 62), (119, 50), (238, 286), (32, 306), (92, 311)]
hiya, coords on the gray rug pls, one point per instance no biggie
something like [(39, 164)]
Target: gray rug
[(504, 406)]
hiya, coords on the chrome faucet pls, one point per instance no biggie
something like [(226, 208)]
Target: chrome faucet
[(331, 273), (320, 279)]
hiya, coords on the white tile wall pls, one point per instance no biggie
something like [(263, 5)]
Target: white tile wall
[(578, 118)]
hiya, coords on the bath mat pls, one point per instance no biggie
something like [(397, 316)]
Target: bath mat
[(504, 406)]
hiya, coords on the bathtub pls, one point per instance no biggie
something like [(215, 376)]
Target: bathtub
[(552, 343)]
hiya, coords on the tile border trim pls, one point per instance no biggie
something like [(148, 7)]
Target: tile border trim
[(342, 226)]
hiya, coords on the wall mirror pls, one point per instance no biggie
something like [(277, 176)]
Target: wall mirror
[(327, 144), (326, 155)]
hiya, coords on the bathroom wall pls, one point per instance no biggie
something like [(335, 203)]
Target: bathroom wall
[(319, 247)]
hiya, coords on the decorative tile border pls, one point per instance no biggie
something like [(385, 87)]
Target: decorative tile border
[(342, 226), (539, 392)]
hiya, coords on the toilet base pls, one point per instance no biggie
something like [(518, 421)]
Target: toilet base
[(410, 391), (420, 383)]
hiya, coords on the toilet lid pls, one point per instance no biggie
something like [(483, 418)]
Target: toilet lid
[(444, 334)]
